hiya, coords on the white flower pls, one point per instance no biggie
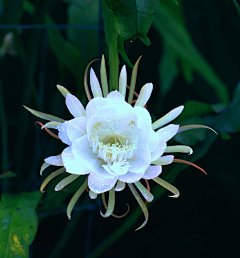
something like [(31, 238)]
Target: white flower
[(113, 142)]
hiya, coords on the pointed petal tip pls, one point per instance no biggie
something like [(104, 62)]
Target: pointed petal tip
[(174, 196), (69, 217)]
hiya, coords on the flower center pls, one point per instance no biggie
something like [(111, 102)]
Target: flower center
[(115, 148)]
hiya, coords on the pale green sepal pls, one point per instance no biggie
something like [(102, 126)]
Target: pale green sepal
[(190, 127), (168, 186), (44, 115), (111, 204), (146, 194), (133, 81), (179, 148), (92, 195), (120, 186), (168, 117), (141, 204), (144, 95), (66, 181), (50, 177), (53, 125), (103, 76), (75, 198), (123, 81), (95, 86), (63, 90), (43, 167)]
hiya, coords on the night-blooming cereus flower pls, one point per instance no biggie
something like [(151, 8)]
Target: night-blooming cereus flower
[(113, 142)]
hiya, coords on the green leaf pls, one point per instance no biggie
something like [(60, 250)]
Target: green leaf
[(85, 13), (229, 120), (178, 39), (18, 223), (175, 2), (133, 18)]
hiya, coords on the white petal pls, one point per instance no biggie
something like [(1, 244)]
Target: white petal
[(154, 140), (152, 172), (72, 164), (123, 81), (94, 105), (144, 119), (62, 133), (76, 128), (83, 152), (158, 152), (168, 117), (115, 96), (120, 186), (131, 177), (54, 160), (74, 106), (142, 157), (164, 160), (95, 86), (144, 95), (96, 122), (168, 131), (99, 184)]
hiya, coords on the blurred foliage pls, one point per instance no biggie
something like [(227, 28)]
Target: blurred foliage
[(71, 50), (16, 211)]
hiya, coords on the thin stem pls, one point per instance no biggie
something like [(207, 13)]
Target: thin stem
[(113, 55)]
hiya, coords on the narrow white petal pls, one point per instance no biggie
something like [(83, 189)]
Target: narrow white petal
[(168, 131), (120, 186), (92, 194), (62, 133), (63, 90), (152, 172), (164, 160), (179, 148), (101, 184), (154, 140), (76, 128), (74, 106), (131, 177), (53, 125), (54, 160), (95, 86), (72, 164), (123, 81), (66, 181), (144, 95), (168, 117)]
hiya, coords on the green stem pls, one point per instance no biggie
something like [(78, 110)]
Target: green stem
[(113, 55)]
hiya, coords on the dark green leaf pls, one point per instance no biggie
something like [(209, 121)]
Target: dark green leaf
[(8, 174), (18, 223), (237, 6), (177, 37), (132, 18)]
